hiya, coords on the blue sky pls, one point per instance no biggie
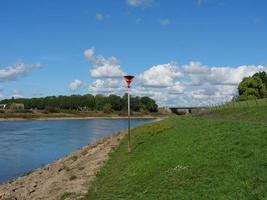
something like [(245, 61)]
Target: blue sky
[(196, 51)]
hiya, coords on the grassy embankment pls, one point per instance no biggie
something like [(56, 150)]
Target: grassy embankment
[(219, 155), (253, 111)]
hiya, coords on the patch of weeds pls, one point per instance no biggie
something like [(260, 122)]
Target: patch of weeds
[(65, 195), (73, 177), (84, 152), (67, 169), (74, 158)]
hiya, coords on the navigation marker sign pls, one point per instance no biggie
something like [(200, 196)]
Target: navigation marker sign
[(128, 79)]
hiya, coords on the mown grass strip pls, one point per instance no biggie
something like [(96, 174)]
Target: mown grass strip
[(187, 158)]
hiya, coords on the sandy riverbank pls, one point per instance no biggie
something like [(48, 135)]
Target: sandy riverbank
[(69, 176)]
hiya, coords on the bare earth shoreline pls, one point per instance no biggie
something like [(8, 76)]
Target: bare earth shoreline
[(69, 176)]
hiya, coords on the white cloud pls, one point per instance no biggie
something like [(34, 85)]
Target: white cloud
[(103, 67), (220, 75), (74, 85), (106, 86), (191, 84), (176, 88), (140, 3), (198, 84), (106, 67), (164, 22), (195, 68), (99, 16), (88, 53), (16, 70), (159, 75)]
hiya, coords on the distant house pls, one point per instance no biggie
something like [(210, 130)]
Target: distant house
[(17, 106), (2, 106)]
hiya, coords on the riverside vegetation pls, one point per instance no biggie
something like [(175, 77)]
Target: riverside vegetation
[(77, 106), (218, 154), (86, 102)]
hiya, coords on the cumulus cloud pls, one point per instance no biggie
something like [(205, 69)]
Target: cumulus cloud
[(193, 83), (14, 71), (140, 3), (106, 67), (106, 86), (201, 74), (176, 88), (103, 67), (88, 53), (159, 75), (164, 22), (195, 68), (74, 85), (99, 16)]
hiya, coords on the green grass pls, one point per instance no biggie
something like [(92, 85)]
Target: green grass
[(65, 195), (188, 158), (255, 113)]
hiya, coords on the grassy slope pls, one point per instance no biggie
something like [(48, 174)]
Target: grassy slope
[(252, 113), (242, 112), (188, 158)]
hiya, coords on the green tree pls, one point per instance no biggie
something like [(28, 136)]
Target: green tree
[(100, 101), (148, 104), (107, 108), (263, 76), (251, 88), (115, 101), (86, 102)]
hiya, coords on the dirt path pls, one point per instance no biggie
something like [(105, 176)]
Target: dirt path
[(66, 178)]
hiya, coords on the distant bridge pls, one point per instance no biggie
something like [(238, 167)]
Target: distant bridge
[(186, 109)]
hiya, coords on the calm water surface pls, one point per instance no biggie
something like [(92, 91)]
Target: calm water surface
[(25, 145)]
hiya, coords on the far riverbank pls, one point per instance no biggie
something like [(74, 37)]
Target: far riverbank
[(77, 118), (73, 116)]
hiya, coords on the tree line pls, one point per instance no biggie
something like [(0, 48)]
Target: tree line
[(87, 102), (252, 87)]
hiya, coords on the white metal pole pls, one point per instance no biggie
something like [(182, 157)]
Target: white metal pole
[(129, 122)]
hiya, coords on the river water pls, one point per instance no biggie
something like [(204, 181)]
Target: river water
[(26, 145)]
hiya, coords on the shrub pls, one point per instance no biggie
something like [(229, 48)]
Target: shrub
[(73, 177), (49, 109)]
